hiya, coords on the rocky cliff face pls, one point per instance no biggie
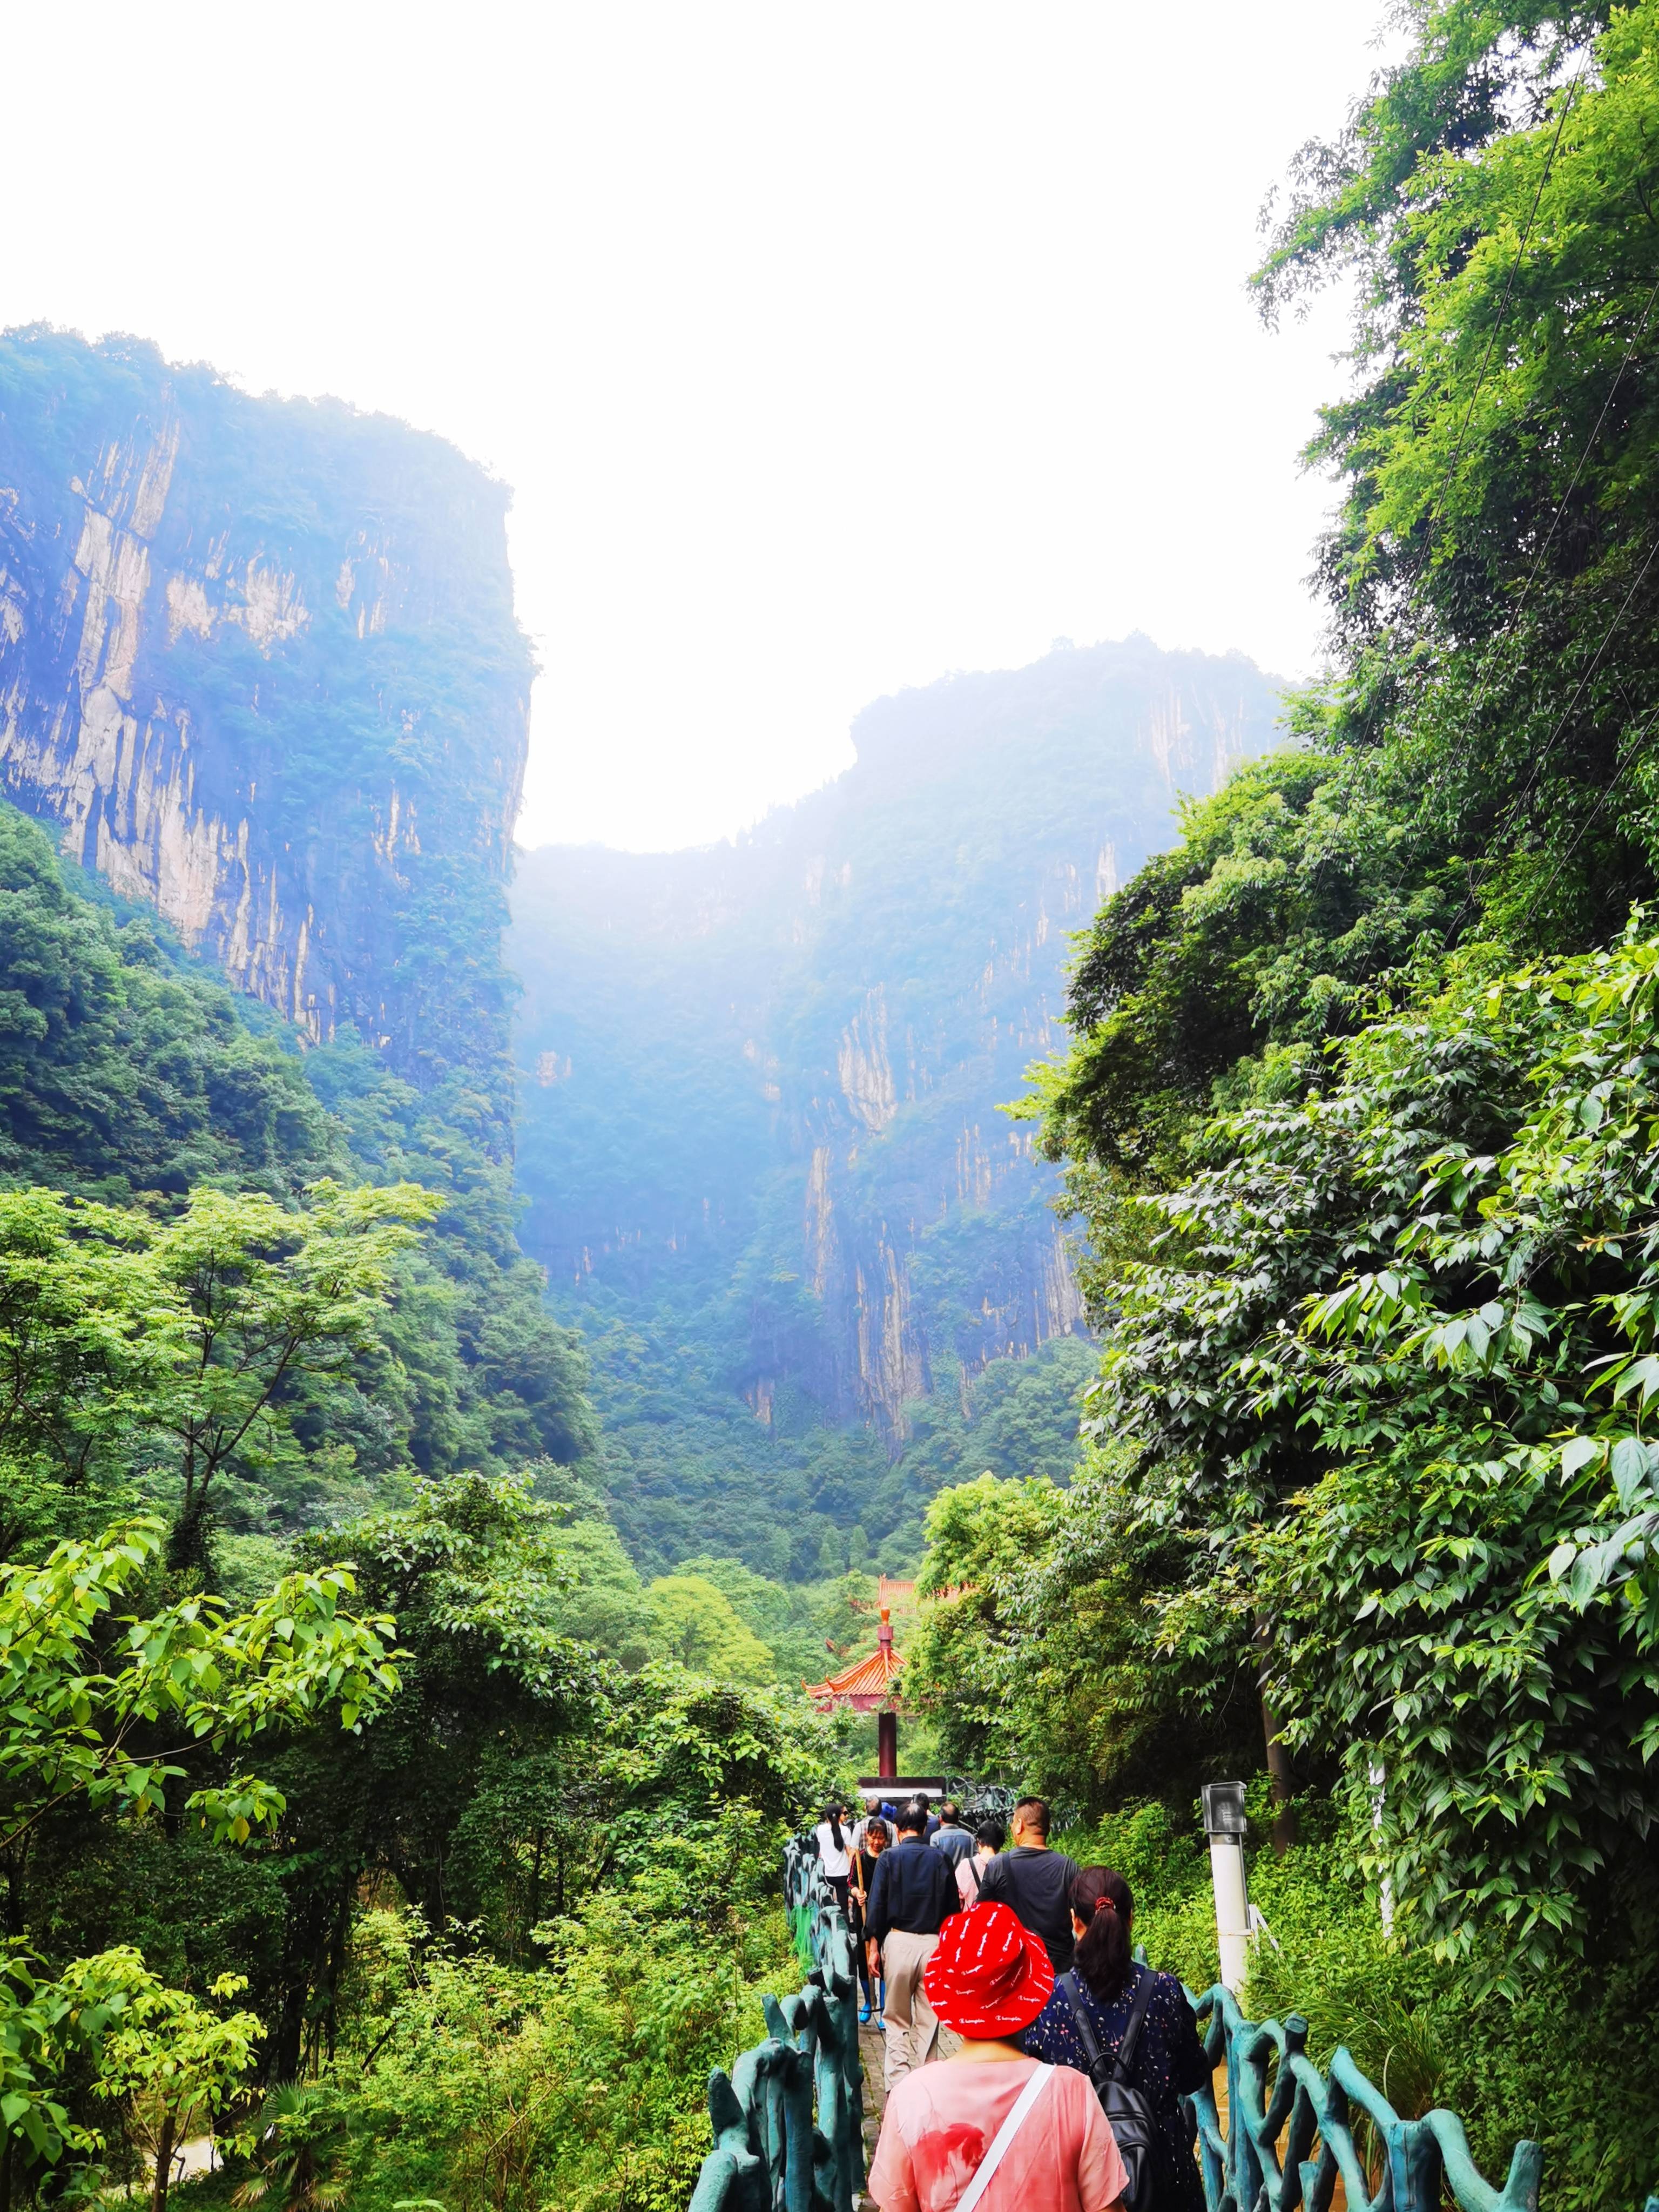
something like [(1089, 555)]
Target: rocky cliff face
[(258, 664), (762, 1081)]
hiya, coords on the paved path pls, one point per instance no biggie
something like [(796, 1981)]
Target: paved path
[(875, 2096)]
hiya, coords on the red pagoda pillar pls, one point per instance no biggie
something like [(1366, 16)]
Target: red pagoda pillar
[(886, 1722), (870, 1687)]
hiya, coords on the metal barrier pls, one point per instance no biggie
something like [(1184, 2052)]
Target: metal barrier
[(770, 2155), (1421, 2160)]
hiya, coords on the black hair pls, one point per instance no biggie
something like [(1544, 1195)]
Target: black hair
[(913, 1821), (949, 1812), (833, 1816), (992, 1833), (1102, 1902), (919, 1803), (1036, 1815), (877, 1828)]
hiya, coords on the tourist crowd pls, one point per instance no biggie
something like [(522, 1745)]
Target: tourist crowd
[(994, 1952)]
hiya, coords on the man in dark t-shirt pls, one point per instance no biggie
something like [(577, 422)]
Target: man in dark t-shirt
[(1035, 1881)]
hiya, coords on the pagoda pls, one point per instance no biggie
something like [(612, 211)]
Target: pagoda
[(869, 1687)]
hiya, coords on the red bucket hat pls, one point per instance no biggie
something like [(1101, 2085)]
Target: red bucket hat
[(987, 1977)]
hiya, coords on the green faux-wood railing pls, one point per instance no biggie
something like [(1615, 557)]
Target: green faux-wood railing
[(1422, 2161), (770, 2154), (789, 2119)]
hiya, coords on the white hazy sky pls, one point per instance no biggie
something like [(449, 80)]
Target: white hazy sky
[(826, 347)]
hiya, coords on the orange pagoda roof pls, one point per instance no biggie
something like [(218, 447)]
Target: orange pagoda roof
[(867, 1686)]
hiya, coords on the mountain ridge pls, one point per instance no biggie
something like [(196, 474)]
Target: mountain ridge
[(758, 1079)]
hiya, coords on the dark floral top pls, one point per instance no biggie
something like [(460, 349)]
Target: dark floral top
[(1169, 2065)]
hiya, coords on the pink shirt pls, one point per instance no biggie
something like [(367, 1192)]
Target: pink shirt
[(968, 1884), (941, 2119)]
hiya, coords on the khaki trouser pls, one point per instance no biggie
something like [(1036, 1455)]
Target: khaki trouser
[(911, 2031)]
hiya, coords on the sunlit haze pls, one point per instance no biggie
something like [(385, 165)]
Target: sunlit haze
[(826, 349)]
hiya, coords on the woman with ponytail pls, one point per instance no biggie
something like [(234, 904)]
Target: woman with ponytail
[(1105, 1984)]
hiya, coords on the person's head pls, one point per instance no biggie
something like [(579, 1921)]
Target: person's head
[(1029, 1822), (987, 1977), (1102, 1908), (872, 1807), (920, 1800), (950, 1813), (912, 1821), (875, 1838), (989, 1838)]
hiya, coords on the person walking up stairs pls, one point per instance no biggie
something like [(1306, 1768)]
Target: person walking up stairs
[(913, 1893)]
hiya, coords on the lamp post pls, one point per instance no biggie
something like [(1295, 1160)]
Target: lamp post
[(1224, 1824)]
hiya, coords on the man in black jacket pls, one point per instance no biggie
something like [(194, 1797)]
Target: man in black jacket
[(913, 1893), (1035, 1882)]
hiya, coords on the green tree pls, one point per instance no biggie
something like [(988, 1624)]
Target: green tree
[(116, 1716), (1381, 1386), (266, 1301), (697, 1625), (174, 2058), (113, 1727)]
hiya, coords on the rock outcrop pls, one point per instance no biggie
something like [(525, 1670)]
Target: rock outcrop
[(779, 1061), (259, 666)]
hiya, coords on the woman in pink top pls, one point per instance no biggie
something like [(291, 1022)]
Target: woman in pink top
[(988, 1979)]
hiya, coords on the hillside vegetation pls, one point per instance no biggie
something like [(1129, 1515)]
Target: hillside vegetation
[(1360, 1114), (314, 1602)]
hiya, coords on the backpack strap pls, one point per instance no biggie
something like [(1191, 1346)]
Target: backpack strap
[(1120, 2065), (1080, 2020), (1125, 2063), (1004, 2136)]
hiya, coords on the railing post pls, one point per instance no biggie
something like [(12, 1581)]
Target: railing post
[(770, 2155), (1223, 1823)]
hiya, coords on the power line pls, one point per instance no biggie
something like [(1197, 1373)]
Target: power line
[(1588, 822), (1435, 511), (1525, 793), (1562, 720), (1561, 504), (1504, 304)]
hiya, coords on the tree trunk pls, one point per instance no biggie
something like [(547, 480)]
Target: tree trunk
[(164, 2143), (1286, 1828), (1281, 1780)]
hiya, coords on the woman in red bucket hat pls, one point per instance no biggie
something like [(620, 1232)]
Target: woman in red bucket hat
[(989, 2130)]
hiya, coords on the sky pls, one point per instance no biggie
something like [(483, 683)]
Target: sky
[(826, 349)]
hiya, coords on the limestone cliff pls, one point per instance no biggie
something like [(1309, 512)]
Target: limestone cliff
[(766, 1126), (258, 664)]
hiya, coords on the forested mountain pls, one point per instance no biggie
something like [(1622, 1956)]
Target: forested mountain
[(358, 1792), (258, 663), (819, 1271), (308, 1597), (259, 672)]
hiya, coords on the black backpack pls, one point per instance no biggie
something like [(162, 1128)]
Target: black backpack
[(1128, 2110)]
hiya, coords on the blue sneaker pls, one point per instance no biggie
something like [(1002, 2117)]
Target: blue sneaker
[(864, 2016)]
